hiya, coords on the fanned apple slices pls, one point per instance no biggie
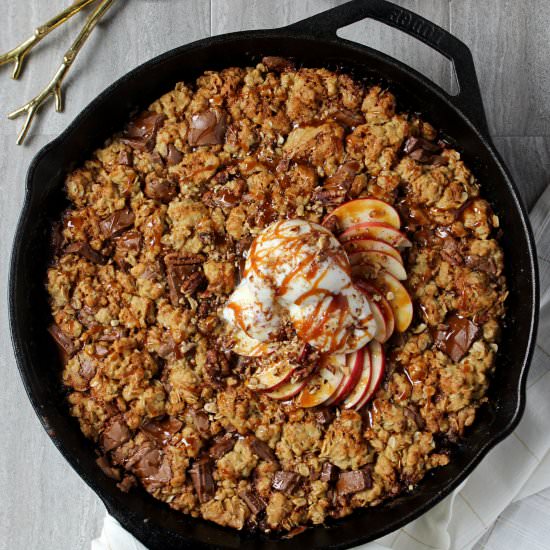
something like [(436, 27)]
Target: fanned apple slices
[(371, 237)]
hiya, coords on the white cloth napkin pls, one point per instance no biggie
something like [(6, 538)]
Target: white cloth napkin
[(518, 467)]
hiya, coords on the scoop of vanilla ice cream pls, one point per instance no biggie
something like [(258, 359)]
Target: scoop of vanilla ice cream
[(301, 267)]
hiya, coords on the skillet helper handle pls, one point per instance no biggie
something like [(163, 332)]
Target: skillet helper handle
[(468, 99)]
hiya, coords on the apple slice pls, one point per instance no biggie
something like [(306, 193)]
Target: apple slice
[(323, 384), (271, 376), (399, 299), (381, 328), (380, 300), (362, 385), (378, 231), (381, 260), (364, 210), (352, 373), (288, 390), (249, 347), (378, 366), (365, 245)]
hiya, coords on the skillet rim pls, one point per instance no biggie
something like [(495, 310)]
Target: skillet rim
[(21, 359)]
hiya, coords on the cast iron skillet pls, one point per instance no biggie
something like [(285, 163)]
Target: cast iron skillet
[(312, 42)]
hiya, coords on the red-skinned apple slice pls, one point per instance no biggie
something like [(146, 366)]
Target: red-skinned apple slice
[(378, 366), (366, 245), (352, 373), (365, 210), (271, 377), (379, 299), (249, 347), (288, 390), (378, 231), (379, 259), (399, 299), (362, 385), (321, 385), (381, 334)]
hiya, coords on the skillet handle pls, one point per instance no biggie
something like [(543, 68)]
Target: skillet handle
[(468, 99)]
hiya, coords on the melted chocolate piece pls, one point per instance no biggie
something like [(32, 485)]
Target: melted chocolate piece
[(161, 190), (263, 450), (201, 476), (115, 434), (201, 421), (162, 430), (207, 128), (86, 251), (277, 64), (415, 143), (285, 482), (125, 158), (183, 275), (141, 133), (117, 222), (148, 464), (456, 336), (174, 156), (353, 482), (112, 334), (63, 341), (329, 473), (87, 368), (349, 118), (222, 446), (253, 501)]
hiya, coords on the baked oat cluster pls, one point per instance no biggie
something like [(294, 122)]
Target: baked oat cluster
[(154, 243)]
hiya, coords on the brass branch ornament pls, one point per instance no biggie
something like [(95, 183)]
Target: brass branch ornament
[(53, 88)]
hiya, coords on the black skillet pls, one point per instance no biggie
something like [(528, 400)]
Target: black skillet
[(312, 42)]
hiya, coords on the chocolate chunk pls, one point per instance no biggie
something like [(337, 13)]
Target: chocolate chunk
[(253, 501), (174, 156), (115, 434), (162, 476), (159, 189), (168, 348), (349, 118), (86, 251), (422, 156), (456, 336), (148, 464), (201, 421), (222, 446), (263, 450), (277, 64), (179, 269), (482, 263), (438, 160), (141, 133), (201, 476), (87, 368), (162, 430), (117, 222), (324, 416), (127, 483), (108, 470), (329, 473), (353, 482), (344, 176), (416, 143), (450, 251), (130, 241), (63, 340), (207, 128), (285, 482)]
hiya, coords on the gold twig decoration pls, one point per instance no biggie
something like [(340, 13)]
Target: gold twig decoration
[(18, 54), (54, 86)]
